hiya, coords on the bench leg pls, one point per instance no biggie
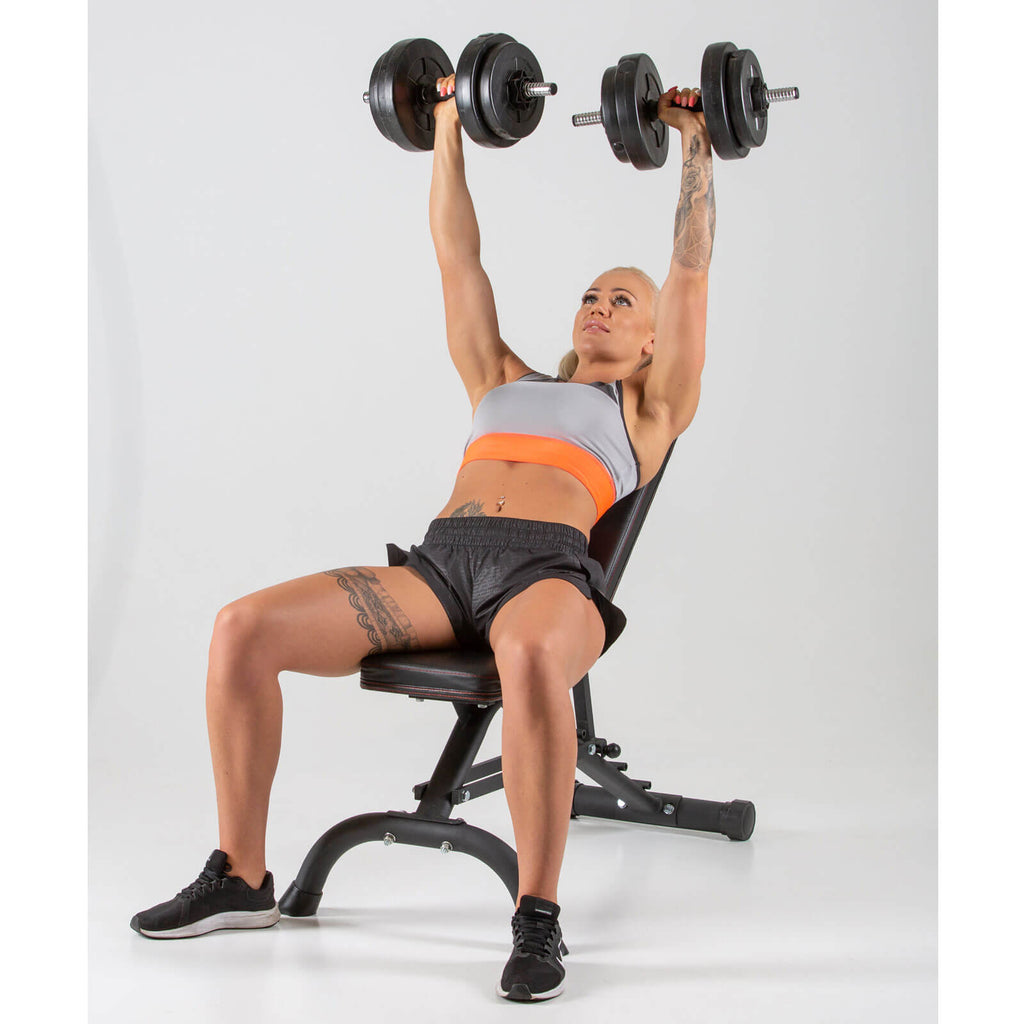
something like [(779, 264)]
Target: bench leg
[(734, 818), (302, 898)]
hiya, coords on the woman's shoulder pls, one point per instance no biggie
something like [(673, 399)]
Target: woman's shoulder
[(516, 369), (527, 374)]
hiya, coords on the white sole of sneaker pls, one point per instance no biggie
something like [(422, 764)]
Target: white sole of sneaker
[(229, 919), (533, 998)]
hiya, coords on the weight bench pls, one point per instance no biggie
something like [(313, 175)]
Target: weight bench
[(469, 680)]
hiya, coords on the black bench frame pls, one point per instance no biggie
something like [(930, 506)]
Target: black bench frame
[(469, 680)]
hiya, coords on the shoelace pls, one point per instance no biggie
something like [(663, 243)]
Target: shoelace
[(203, 884), (534, 935)]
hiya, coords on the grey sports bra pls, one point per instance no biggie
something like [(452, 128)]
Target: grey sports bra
[(579, 427)]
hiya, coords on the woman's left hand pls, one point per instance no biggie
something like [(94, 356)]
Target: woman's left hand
[(674, 109)]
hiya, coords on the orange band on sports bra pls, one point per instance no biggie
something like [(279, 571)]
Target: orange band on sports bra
[(549, 451)]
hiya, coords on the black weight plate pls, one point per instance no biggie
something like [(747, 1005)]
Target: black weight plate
[(744, 85), (507, 113), (467, 88), (382, 105), (610, 115), (637, 89), (487, 96), (715, 102), (397, 85)]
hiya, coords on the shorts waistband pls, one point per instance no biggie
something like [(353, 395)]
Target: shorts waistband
[(494, 531)]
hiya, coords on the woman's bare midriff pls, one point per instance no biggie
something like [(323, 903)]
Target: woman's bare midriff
[(548, 493), (531, 491)]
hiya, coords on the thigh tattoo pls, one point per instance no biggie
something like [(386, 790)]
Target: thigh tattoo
[(377, 612)]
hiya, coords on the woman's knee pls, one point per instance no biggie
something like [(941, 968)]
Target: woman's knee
[(241, 636), (532, 666)]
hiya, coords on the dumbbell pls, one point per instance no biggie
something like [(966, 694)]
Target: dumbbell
[(499, 91), (734, 100)]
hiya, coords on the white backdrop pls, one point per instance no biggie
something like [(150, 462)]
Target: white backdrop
[(271, 395)]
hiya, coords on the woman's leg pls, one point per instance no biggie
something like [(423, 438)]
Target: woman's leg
[(544, 641), (538, 760), (322, 625)]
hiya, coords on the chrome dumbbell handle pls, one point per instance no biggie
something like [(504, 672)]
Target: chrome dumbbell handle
[(791, 92), (531, 90)]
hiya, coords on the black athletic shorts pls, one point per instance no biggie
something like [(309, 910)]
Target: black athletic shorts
[(474, 564)]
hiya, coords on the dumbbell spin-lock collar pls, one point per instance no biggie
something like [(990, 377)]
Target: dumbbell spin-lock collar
[(533, 89)]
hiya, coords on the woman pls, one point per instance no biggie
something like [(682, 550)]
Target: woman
[(511, 542)]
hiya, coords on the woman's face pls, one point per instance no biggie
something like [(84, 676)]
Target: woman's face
[(614, 319)]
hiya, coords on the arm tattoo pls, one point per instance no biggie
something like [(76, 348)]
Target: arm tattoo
[(695, 214)]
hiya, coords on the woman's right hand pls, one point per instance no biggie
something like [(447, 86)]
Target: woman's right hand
[(446, 113)]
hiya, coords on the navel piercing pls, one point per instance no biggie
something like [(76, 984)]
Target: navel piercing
[(501, 501)]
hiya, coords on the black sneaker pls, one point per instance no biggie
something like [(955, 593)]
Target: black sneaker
[(534, 970), (214, 900)]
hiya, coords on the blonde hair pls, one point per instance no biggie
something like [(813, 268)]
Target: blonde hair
[(570, 362)]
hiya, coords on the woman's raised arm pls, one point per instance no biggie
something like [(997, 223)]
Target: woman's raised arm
[(475, 345), (453, 224), (673, 382)]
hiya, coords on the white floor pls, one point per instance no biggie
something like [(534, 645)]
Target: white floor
[(816, 919)]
